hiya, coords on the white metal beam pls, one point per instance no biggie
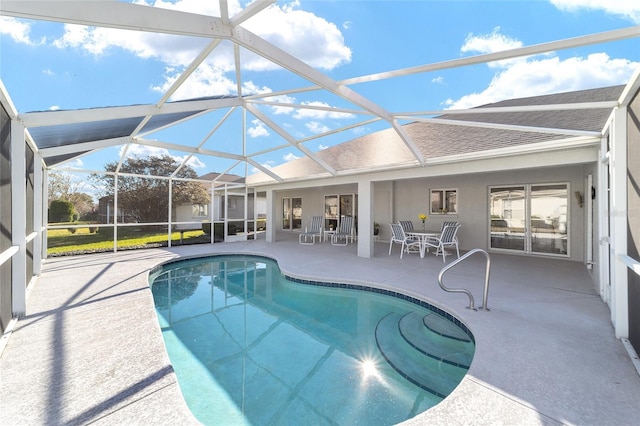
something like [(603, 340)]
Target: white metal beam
[(568, 132), (523, 108), (286, 136), (603, 37), (120, 15), (83, 147), (19, 221), (251, 10), (52, 118), (339, 130), (183, 148), (264, 169), (312, 107)]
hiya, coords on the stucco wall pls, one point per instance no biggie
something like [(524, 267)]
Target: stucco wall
[(409, 197)]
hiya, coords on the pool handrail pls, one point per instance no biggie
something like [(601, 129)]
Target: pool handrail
[(462, 290)]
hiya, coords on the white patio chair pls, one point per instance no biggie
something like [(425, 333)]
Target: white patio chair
[(314, 231), (344, 232), (407, 225), (448, 238), (398, 236)]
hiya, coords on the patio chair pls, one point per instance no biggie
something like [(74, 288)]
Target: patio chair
[(449, 223), (398, 236), (448, 238), (314, 231), (344, 232), (407, 225)]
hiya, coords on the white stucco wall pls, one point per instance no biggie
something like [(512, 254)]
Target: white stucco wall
[(404, 199)]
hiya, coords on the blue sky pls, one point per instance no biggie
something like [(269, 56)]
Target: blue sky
[(53, 66)]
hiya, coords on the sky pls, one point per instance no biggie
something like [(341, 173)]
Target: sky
[(51, 66)]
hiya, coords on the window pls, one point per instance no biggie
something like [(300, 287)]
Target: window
[(444, 201), (200, 210)]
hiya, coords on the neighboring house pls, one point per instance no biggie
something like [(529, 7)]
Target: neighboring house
[(106, 211), (216, 209)]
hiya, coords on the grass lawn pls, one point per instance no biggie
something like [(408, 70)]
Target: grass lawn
[(61, 241)]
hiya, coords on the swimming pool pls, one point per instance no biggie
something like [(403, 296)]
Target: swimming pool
[(251, 346)]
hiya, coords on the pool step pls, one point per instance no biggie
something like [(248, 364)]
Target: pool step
[(432, 375), (451, 351), (444, 327)]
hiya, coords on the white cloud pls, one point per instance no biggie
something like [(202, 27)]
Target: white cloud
[(318, 114), (18, 30), (205, 81), (489, 43), (317, 128), (321, 147), (48, 72), (194, 162), (258, 129), (290, 157), (551, 75), (438, 80), (76, 163), (54, 107), (359, 131), (627, 9), (304, 35), (282, 99), (143, 151), (539, 75)]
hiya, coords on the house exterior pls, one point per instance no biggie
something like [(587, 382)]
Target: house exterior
[(554, 175), (538, 176)]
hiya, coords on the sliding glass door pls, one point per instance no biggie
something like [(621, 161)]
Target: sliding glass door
[(549, 219), (508, 216), (529, 218), (291, 213)]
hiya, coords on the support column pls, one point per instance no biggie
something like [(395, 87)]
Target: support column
[(45, 213), (270, 235), (365, 219), (618, 218), (18, 220), (38, 220)]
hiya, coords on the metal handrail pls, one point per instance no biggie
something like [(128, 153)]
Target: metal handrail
[(462, 290)]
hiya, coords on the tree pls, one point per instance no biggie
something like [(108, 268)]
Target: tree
[(62, 186), (146, 199), (83, 203)]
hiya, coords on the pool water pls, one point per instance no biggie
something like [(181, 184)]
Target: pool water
[(250, 347)]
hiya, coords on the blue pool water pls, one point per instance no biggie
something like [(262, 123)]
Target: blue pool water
[(250, 347)]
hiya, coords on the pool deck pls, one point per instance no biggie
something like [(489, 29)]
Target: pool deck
[(89, 349)]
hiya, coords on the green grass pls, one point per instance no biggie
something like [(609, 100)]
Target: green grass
[(61, 241)]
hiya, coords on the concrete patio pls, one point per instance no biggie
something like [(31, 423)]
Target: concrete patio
[(89, 349)]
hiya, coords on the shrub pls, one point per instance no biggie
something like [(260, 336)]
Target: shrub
[(61, 211), (72, 230)]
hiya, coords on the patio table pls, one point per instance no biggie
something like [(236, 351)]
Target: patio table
[(422, 237), (327, 234)]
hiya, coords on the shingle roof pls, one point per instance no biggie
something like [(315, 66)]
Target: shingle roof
[(585, 119), (433, 140)]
